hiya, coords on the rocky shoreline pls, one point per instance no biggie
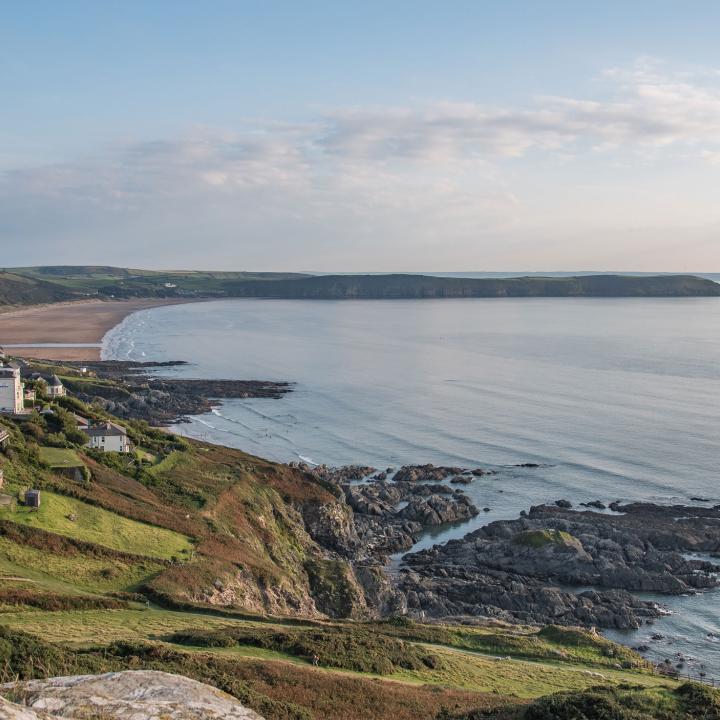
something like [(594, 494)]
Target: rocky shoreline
[(137, 393), (553, 564)]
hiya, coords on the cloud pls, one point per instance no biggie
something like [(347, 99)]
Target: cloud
[(386, 179)]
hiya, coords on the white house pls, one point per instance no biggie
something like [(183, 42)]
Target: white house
[(11, 389), (55, 388), (108, 437)]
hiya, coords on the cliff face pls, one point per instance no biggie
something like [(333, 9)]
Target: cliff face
[(422, 286), (136, 695)]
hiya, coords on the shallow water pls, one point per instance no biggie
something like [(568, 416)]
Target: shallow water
[(615, 398)]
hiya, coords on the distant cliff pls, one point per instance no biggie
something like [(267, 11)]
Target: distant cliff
[(423, 286)]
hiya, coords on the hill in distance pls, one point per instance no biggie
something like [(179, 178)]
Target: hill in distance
[(34, 285)]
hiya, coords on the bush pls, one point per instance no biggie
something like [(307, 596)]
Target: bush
[(57, 440), (33, 430), (590, 705), (76, 437), (54, 601), (699, 701), (349, 648)]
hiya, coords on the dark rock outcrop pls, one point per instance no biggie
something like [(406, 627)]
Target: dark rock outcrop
[(425, 473), (504, 569)]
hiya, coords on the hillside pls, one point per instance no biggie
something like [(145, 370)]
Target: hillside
[(251, 576), (78, 282), (421, 286), (47, 284), (16, 289)]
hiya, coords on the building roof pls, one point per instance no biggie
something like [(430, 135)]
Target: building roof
[(8, 371), (54, 381), (106, 428)]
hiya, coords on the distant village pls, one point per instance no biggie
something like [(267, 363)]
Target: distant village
[(24, 392), (20, 394)]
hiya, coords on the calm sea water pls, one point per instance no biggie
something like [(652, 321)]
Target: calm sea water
[(615, 398)]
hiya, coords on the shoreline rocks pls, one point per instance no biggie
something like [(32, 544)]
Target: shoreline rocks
[(517, 569), (137, 394), (386, 516)]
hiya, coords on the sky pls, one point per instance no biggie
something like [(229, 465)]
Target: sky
[(445, 135)]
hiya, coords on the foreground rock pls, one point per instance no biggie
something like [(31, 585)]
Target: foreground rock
[(507, 568), (139, 695)]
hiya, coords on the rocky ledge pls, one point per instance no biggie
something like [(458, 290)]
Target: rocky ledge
[(389, 515), (137, 392), (138, 695), (508, 568)]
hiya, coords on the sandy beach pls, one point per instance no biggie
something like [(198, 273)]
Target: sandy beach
[(83, 322)]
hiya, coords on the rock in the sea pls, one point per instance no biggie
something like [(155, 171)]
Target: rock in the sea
[(132, 695), (436, 510), (425, 473)]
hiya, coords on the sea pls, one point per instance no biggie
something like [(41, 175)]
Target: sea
[(613, 399)]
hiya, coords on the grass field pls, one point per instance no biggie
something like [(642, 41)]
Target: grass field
[(459, 669), (59, 457), (79, 520), (85, 573)]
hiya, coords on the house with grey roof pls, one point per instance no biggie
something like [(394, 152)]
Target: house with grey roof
[(108, 437), (55, 388)]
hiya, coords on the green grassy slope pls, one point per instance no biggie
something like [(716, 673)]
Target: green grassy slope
[(17, 289), (76, 519)]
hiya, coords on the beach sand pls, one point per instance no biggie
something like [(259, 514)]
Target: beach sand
[(70, 322)]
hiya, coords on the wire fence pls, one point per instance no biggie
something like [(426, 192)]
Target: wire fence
[(674, 674)]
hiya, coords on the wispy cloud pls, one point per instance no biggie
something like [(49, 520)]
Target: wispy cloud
[(426, 171)]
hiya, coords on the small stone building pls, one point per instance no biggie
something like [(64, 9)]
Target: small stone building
[(32, 498)]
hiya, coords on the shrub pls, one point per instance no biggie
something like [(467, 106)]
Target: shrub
[(33, 430), (699, 701), (589, 705), (55, 601), (57, 440), (349, 648)]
